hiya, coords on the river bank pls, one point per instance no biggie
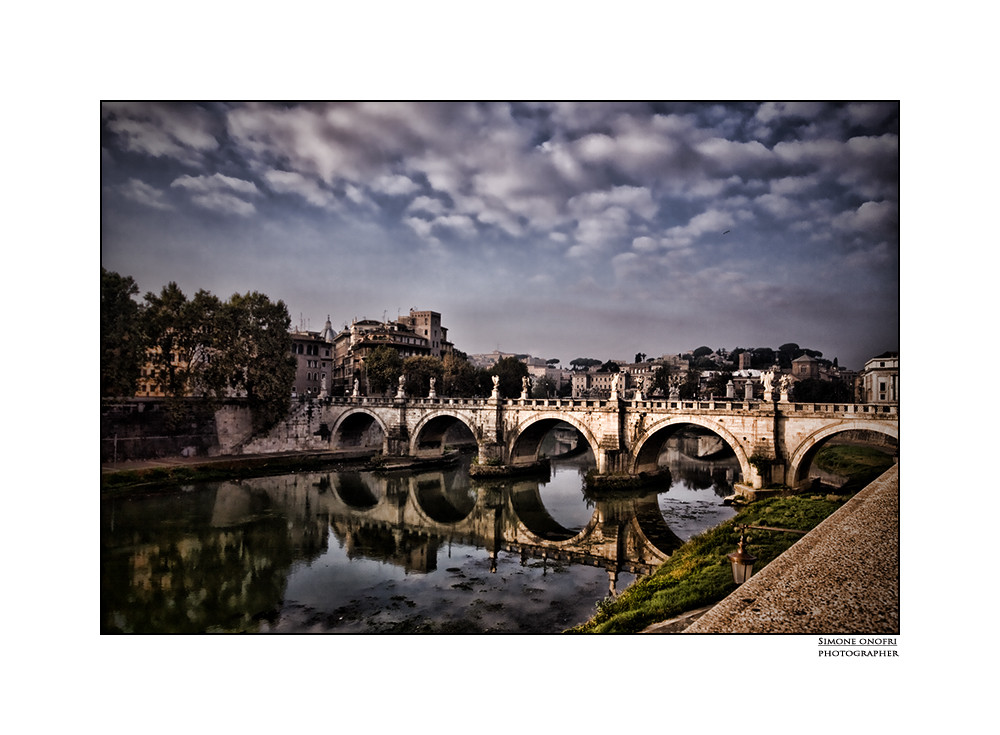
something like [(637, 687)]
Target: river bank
[(149, 475)]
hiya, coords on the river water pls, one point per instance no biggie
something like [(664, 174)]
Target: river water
[(401, 552)]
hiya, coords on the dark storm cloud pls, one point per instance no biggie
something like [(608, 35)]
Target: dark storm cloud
[(594, 209)]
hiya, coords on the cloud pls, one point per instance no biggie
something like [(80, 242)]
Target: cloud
[(225, 203), (634, 199), (179, 131), (770, 112), (428, 205), (291, 182), (215, 183), (219, 193), (876, 218), (395, 185), (140, 191), (712, 221)]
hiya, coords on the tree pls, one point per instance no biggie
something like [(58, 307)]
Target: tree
[(511, 371), (611, 367), (692, 381), (812, 390), (640, 357), (253, 350), (460, 378), (762, 358), (205, 350), (165, 324), (122, 341), (584, 363), (718, 382), (543, 388), (418, 371), (661, 379), (383, 366)]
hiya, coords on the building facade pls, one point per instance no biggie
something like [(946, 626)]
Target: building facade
[(879, 381), (419, 334), (313, 352)]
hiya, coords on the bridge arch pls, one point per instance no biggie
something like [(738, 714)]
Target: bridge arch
[(351, 427), (434, 425), (802, 456), (647, 449), (523, 444)]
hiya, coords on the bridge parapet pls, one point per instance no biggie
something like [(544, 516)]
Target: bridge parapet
[(656, 404)]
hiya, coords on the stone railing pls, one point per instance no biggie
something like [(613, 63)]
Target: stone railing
[(653, 404)]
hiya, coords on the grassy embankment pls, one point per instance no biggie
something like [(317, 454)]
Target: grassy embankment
[(699, 574)]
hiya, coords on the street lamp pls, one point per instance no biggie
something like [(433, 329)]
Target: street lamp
[(742, 560)]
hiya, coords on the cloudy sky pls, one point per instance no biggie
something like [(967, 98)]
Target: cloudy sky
[(560, 230)]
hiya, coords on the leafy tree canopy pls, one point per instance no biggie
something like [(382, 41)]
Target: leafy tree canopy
[(511, 371), (122, 341), (418, 371), (383, 366)]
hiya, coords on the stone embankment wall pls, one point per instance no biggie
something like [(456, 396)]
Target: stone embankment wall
[(303, 430), (147, 429)]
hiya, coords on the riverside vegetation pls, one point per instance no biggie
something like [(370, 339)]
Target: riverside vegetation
[(699, 573)]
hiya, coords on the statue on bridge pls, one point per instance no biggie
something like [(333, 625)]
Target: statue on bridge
[(496, 387), (432, 393), (616, 383), (786, 385), (525, 387), (767, 380), (401, 393)]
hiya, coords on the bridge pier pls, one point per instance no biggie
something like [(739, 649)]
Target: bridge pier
[(397, 435)]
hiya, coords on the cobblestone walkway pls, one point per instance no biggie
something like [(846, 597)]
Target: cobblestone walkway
[(840, 578)]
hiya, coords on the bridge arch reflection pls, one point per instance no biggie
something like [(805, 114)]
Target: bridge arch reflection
[(415, 515)]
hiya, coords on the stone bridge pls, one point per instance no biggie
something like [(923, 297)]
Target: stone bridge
[(774, 441)]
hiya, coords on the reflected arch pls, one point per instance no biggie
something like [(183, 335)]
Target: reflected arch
[(358, 429), (536, 520), (801, 460), (431, 431), (441, 502), (652, 441), (527, 436)]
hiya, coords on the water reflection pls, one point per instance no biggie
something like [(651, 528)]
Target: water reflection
[(398, 552)]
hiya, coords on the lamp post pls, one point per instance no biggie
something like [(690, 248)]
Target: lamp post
[(742, 560)]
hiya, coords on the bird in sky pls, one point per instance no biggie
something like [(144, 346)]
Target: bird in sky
[(726, 232)]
